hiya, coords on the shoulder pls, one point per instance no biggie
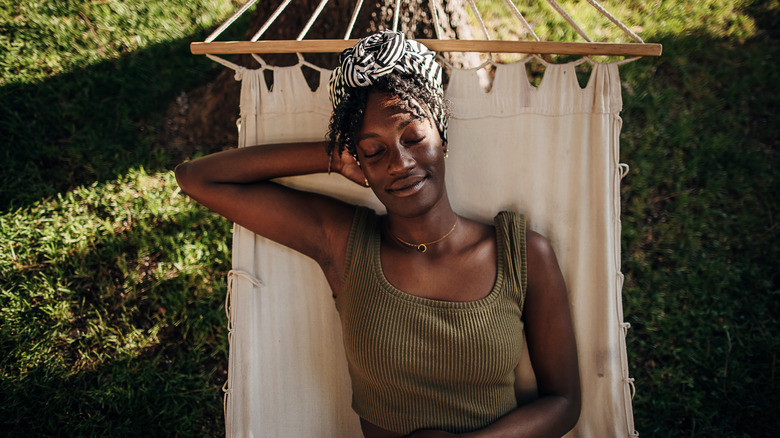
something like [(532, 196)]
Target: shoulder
[(545, 278), (538, 247), (541, 262)]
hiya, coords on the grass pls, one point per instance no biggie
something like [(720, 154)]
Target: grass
[(112, 284), (112, 313), (83, 86)]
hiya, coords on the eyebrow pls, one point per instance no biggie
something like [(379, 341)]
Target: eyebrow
[(368, 135)]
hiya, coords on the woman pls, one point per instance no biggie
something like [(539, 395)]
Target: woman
[(432, 304)]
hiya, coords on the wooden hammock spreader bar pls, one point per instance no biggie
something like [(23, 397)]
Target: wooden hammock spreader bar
[(485, 46)]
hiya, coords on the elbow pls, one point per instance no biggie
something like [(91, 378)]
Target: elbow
[(573, 414), (183, 177), (568, 406), (572, 409)]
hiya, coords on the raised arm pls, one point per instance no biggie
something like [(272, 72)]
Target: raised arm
[(236, 184)]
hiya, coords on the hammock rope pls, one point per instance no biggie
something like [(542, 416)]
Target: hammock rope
[(254, 45), (520, 17), (270, 20), (617, 22), (353, 19), (435, 13), (569, 20), (313, 18), (229, 21), (396, 13), (479, 18)]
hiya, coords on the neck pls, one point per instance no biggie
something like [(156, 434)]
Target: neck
[(425, 227)]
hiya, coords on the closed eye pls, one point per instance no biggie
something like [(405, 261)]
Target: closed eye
[(414, 140), (373, 153)]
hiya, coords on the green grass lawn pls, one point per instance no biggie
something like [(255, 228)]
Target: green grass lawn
[(112, 284)]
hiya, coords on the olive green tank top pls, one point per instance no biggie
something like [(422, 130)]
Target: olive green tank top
[(418, 363)]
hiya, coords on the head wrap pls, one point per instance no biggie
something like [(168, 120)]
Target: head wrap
[(382, 53)]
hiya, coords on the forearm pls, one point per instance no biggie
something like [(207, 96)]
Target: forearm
[(253, 164), (550, 416)]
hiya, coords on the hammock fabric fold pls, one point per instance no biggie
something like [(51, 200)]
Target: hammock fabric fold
[(549, 152)]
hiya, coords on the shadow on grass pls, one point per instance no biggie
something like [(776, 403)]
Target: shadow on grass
[(700, 209), (94, 123), (147, 395), (140, 350)]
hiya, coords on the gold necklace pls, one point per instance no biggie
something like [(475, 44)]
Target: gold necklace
[(422, 247)]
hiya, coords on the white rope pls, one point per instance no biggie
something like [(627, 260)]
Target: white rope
[(260, 61), (396, 14), (521, 18), (303, 61), (435, 12), (449, 65), (256, 282), (479, 18), (566, 17), (626, 61), (233, 273), (270, 20), (353, 19), (625, 326), (612, 18), (229, 21), (630, 381), (482, 24), (224, 62), (540, 60), (623, 170), (311, 20)]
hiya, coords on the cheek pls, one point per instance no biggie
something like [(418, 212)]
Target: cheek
[(433, 155)]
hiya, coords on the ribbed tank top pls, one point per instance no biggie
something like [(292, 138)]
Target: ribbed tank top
[(421, 363)]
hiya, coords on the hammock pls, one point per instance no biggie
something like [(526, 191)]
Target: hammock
[(550, 152)]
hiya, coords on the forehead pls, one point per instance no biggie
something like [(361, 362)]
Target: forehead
[(385, 110)]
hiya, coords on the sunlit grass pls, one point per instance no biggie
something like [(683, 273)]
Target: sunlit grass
[(715, 18), (116, 279), (39, 39)]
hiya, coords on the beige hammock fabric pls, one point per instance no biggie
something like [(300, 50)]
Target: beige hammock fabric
[(549, 152)]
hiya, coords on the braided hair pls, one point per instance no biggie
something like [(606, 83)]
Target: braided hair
[(384, 62), (413, 96)]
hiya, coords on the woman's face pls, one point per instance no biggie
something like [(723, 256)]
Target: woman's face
[(402, 156)]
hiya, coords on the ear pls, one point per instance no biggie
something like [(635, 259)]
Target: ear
[(444, 147)]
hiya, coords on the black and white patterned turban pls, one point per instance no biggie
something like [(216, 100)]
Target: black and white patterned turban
[(380, 54)]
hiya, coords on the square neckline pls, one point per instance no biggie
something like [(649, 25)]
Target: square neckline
[(395, 292)]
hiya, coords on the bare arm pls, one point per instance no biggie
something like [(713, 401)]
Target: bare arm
[(553, 353), (236, 184)]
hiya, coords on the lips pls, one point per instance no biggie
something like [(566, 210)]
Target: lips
[(407, 186)]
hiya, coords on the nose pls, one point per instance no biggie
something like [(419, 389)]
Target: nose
[(401, 160)]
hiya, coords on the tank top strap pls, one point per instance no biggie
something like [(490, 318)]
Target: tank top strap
[(510, 228)]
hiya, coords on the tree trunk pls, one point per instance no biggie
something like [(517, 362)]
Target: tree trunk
[(203, 119)]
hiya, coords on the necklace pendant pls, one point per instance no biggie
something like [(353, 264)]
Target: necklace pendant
[(421, 248)]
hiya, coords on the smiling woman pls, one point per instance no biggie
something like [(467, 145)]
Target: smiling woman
[(433, 304)]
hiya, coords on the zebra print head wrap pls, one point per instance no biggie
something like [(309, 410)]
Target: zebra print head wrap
[(382, 53)]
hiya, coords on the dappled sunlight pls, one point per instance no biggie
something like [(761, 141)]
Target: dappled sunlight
[(712, 18), (109, 271), (37, 41)]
